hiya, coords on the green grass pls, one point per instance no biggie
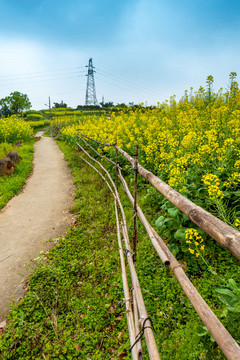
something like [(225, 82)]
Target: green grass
[(12, 185), (74, 308)]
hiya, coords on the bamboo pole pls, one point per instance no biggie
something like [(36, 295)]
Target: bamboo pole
[(147, 226), (137, 327), (116, 166), (225, 341), (93, 167), (103, 168), (129, 312), (161, 254), (227, 344), (217, 229), (144, 319), (134, 242), (100, 143), (96, 152), (224, 234)]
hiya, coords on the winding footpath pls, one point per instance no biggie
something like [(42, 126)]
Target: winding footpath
[(40, 212)]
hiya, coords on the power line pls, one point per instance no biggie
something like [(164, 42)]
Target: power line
[(42, 80), (39, 76), (129, 84), (137, 84), (23, 75), (137, 91)]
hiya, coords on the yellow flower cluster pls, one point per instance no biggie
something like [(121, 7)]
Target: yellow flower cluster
[(213, 183), (194, 239), (13, 129), (233, 180), (181, 142), (237, 223)]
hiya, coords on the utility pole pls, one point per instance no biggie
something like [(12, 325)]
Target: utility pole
[(91, 98), (49, 104)]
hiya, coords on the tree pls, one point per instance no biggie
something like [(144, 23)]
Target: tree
[(4, 108), (15, 103), (60, 105)]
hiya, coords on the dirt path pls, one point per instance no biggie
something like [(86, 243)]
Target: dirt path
[(37, 214)]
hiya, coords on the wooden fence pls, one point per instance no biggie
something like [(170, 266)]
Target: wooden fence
[(138, 320)]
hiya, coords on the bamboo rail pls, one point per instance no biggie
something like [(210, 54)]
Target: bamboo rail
[(161, 254), (129, 312), (98, 142), (96, 152), (217, 229), (225, 341), (136, 354), (137, 323), (134, 241), (144, 319)]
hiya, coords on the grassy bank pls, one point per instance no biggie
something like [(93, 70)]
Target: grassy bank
[(12, 185), (74, 309)]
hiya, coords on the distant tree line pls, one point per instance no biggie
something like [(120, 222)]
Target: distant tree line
[(60, 105)]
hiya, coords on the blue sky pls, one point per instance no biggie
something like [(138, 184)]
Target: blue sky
[(143, 50)]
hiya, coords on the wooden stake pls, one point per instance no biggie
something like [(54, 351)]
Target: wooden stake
[(146, 224)]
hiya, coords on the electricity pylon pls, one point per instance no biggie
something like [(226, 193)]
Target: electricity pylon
[(91, 98)]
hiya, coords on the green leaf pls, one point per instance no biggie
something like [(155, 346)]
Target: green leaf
[(227, 194), (180, 234), (201, 330), (226, 292), (212, 338), (233, 309), (185, 217), (159, 221), (227, 296), (173, 212), (174, 249), (232, 284)]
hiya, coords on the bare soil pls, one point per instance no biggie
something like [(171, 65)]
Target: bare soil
[(40, 212)]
